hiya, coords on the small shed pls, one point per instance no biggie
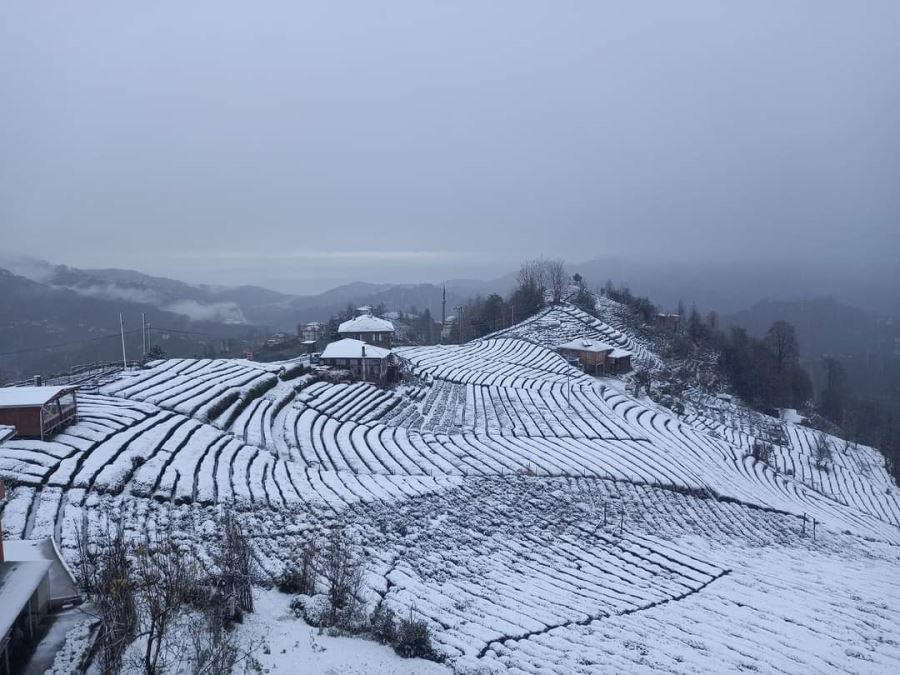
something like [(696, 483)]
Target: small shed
[(367, 362), (668, 322), (369, 329), (590, 353), (37, 412), (618, 361), (24, 605)]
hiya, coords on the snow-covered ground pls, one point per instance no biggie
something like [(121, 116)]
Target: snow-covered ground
[(540, 521), (286, 645)]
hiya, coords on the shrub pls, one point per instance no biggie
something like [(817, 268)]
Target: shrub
[(383, 624), (413, 640), (313, 609), (762, 451), (300, 578)]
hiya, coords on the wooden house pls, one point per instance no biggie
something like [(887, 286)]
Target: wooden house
[(36, 412), (618, 362), (590, 353), (668, 322)]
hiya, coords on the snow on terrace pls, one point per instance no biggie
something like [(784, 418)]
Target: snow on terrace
[(516, 548), (563, 323)]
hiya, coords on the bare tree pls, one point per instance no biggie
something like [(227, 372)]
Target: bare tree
[(164, 580), (234, 561), (532, 274), (782, 339), (555, 271), (343, 574), (822, 451), (104, 572)]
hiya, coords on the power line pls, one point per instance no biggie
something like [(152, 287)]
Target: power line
[(67, 344)]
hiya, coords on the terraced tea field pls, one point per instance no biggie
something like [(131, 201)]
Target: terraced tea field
[(540, 521)]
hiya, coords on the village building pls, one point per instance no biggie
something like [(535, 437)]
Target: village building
[(310, 332), (596, 358), (668, 322), (364, 361), (369, 329), (590, 353), (37, 412), (34, 581), (618, 362)]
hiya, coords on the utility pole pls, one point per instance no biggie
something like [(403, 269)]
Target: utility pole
[(122, 332), (144, 333), (443, 311), (149, 337)]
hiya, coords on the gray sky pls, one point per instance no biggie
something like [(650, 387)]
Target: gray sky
[(395, 141)]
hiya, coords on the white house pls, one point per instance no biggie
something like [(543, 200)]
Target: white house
[(365, 361), (370, 329)]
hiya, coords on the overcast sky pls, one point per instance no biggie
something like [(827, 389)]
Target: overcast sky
[(264, 141)]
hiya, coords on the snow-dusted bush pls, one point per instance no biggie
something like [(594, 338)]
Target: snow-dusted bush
[(762, 451), (313, 609), (414, 640), (300, 577), (383, 624)]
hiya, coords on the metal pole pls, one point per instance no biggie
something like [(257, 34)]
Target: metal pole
[(122, 332), (149, 337), (144, 333)]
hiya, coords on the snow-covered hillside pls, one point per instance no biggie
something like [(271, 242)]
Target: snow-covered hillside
[(540, 521)]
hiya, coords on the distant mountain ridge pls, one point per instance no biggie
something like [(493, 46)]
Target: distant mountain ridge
[(824, 325)]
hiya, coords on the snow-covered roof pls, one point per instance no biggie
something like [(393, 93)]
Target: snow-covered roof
[(312, 324), (586, 345), (366, 324), (18, 582), (619, 353), (29, 397), (353, 349), (62, 582), (6, 432)]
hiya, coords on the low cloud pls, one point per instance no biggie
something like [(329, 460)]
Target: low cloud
[(145, 296), (225, 312)]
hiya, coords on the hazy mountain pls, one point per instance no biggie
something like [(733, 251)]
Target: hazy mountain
[(824, 325), (46, 328), (731, 286)]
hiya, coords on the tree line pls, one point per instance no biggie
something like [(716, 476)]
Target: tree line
[(539, 282)]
